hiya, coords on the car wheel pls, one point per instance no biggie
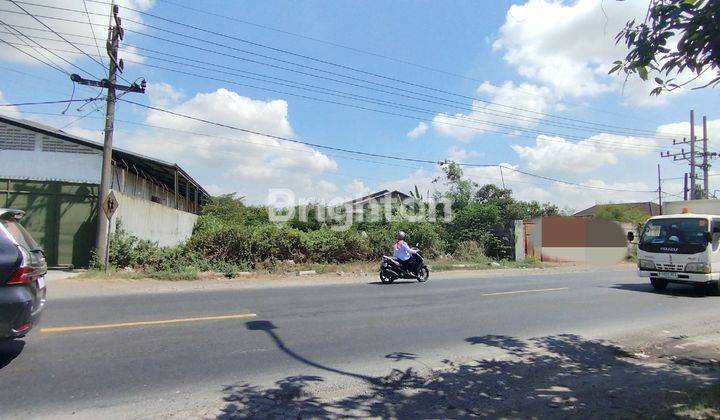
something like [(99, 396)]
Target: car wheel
[(385, 277), (659, 284)]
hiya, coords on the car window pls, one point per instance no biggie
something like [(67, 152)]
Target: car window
[(21, 235)]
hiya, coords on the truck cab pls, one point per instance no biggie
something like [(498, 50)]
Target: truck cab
[(680, 248)]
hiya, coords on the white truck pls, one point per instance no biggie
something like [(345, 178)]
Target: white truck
[(682, 248)]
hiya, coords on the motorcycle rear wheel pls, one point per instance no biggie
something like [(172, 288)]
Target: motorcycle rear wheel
[(423, 274), (385, 277)]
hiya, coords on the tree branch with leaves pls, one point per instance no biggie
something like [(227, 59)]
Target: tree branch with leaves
[(695, 22)]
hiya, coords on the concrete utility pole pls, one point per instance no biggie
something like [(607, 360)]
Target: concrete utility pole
[(705, 165), (685, 187), (693, 192), (115, 35), (659, 190)]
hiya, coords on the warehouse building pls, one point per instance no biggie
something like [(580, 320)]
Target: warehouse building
[(55, 177)]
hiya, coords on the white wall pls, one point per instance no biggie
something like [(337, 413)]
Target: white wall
[(602, 256), (153, 221), (54, 166), (26, 154)]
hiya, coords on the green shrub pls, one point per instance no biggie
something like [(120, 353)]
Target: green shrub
[(327, 245)]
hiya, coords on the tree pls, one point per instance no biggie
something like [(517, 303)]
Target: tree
[(621, 213), (696, 26)]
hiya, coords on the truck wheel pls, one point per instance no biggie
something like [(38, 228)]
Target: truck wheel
[(659, 284), (713, 288)]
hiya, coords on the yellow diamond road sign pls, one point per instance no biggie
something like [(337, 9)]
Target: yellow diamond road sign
[(110, 205)]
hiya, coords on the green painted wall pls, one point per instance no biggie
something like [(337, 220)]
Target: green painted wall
[(59, 215)]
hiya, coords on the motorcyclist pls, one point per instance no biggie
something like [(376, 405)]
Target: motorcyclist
[(403, 252)]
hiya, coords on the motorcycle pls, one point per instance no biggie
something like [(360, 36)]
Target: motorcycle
[(391, 269)]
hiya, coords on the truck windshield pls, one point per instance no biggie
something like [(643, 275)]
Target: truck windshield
[(675, 232)]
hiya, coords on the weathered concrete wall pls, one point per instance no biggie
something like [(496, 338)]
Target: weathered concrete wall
[(153, 221), (602, 256), (519, 240)]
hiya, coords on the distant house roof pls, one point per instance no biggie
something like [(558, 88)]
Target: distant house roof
[(159, 170), (375, 196), (646, 207)]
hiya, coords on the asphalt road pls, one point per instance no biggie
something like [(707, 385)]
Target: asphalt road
[(345, 330)]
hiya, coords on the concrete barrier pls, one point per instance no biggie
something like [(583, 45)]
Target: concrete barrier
[(153, 221)]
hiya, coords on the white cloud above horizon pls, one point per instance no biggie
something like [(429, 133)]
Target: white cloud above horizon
[(418, 131), (232, 160)]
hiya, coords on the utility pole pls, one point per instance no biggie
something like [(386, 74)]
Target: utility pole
[(685, 187), (692, 155), (115, 35), (705, 165), (695, 191), (659, 190)]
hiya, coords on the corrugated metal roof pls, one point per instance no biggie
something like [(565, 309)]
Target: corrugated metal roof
[(156, 168)]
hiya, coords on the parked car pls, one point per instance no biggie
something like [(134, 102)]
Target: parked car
[(22, 277)]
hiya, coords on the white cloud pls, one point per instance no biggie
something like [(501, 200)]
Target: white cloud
[(512, 106), (94, 135), (457, 154), (234, 161), (418, 131), (357, 189), (558, 155), (163, 94), (682, 130), (9, 111), (567, 46), (99, 14), (570, 46)]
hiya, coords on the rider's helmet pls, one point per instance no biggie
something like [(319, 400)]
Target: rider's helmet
[(400, 236)]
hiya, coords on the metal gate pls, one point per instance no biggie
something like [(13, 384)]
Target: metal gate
[(59, 215)]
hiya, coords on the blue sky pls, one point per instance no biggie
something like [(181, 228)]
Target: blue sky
[(540, 62)]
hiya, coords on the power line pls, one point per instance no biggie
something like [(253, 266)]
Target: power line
[(92, 30), (584, 143), (63, 101), (32, 56), (497, 113), (324, 62), (492, 112), (510, 168), (321, 146), (330, 63), (53, 31), (370, 53), (49, 62)]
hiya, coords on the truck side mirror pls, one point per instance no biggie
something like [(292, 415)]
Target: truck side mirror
[(630, 236), (708, 237)]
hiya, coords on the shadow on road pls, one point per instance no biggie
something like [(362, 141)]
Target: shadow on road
[(673, 290), (379, 283), (9, 350), (554, 376)]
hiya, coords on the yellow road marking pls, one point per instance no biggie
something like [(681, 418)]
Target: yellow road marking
[(142, 323), (525, 291)]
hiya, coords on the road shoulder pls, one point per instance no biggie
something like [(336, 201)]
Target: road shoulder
[(73, 286)]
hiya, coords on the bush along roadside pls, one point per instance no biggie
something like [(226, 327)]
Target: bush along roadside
[(230, 237)]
